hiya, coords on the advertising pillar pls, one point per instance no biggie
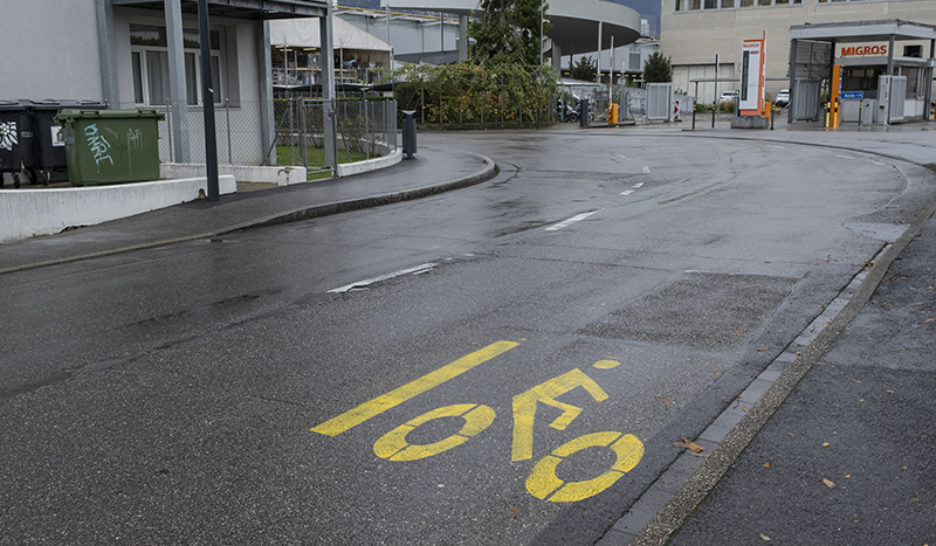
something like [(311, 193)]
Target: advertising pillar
[(751, 99)]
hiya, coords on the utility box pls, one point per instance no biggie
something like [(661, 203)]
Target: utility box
[(111, 146), (409, 133)]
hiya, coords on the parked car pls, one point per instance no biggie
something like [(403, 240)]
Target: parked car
[(728, 96), (783, 98)]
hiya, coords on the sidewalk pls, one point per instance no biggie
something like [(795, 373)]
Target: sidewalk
[(433, 170), (850, 456)]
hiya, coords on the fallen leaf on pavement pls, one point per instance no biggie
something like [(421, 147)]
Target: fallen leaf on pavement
[(853, 380), (768, 464), (929, 320), (515, 510), (847, 476), (826, 444), (890, 391), (666, 400), (692, 446), (829, 483), (764, 537), (793, 434), (719, 374), (762, 349)]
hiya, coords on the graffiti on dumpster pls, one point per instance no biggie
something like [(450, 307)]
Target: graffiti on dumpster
[(135, 138), (98, 145), (8, 136)]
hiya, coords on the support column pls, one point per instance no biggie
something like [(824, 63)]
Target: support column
[(178, 98), (328, 90), (462, 38), (598, 62), (890, 56), (557, 56), (267, 127), (928, 92), (110, 90)]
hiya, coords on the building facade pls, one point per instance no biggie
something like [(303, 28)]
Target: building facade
[(146, 53), (693, 32)]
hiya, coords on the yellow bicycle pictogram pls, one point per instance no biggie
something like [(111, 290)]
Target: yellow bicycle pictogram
[(542, 482)]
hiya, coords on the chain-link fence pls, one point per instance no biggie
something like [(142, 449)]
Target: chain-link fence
[(366, 128), (237, 133), (486, 110)]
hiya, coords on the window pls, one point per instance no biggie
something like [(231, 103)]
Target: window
[(747, 3), (695, 5), (727, 3), (149, 53), (633, 61), (711, 4)]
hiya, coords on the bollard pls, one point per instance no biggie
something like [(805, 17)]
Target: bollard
[(584, 113), (409, 134)]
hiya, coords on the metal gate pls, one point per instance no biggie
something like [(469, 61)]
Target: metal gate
[(898, 99), (805, 100), (660, 101), (892, 99)]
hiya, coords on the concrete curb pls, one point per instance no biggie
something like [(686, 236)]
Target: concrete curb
[(338, 207), (304, 213), (667, 521)]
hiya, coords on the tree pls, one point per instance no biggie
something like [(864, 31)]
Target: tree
[(508, 31), (585, 69), (658, 69)]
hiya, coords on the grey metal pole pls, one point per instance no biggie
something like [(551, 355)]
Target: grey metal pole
[(793, 90), (715, 100), (598, 63), (227, 115), (211, 146)]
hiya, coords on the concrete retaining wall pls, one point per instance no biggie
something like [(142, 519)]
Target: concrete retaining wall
[(358, 167), (27, 212), (281, 176)]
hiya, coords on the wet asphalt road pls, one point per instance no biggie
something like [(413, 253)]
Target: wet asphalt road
[(168, 395)]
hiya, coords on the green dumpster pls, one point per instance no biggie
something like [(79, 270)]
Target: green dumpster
[(110, 146)]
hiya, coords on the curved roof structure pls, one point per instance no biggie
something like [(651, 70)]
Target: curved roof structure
[(574, 22)]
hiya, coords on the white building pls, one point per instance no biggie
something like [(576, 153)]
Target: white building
[(693, 32), (132, 53)]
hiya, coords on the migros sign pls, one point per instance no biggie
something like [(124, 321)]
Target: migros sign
[(859, 51)]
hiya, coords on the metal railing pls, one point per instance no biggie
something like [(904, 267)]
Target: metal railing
[(366, 128)]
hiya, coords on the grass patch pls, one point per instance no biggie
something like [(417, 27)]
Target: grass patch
[(287, 155)]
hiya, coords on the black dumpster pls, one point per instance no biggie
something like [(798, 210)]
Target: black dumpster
[(409, 134), (15, 136), (48, 151)]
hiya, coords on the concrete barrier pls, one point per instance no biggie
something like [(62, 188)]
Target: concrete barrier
[(30, 212), (279, 175), (358, 167)]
